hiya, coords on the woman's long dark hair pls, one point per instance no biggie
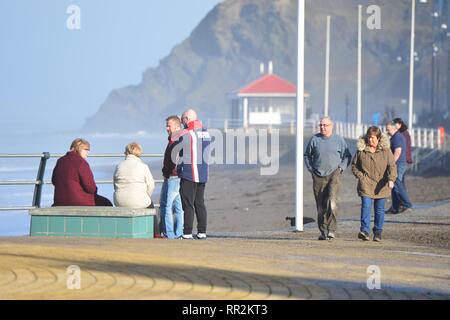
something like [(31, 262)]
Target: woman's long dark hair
[(403, 126)]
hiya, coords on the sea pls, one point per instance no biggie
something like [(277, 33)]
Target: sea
[(17, 223)]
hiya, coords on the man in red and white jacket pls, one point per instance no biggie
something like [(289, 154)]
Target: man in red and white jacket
[(193, 171)]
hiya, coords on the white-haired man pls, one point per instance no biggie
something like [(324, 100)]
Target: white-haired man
[(326, 157)]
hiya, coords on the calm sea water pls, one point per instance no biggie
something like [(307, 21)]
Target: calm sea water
[(16, 223)]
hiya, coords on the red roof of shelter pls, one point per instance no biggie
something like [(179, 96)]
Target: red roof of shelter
[(267, 84)]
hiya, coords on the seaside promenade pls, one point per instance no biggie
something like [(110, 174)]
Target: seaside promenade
[(413, 261)]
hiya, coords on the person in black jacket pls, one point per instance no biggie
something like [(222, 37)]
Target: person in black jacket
[(170, 201)]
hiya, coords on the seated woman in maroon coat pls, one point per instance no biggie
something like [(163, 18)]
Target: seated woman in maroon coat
[(73, 179)]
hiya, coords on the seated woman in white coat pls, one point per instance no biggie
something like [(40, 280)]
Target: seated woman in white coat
[(133, 181)]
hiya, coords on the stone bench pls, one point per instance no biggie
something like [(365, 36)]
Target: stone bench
[(108, 222)]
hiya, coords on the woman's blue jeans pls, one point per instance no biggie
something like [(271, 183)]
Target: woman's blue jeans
[(366, 209), (171, 202)]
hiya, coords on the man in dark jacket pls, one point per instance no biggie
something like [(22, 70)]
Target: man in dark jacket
[(170, 191), (73, 179), (399, 194), (193, 171)]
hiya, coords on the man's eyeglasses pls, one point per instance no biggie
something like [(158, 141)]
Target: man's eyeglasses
[(324, 125)]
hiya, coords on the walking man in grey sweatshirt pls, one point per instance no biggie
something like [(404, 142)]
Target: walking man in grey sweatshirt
[(326, 157)]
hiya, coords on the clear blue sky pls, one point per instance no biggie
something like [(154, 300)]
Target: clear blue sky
[(55, 77)]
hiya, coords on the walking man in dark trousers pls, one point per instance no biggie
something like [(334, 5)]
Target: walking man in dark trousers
[(399, 194), (193, 171), (326, 157)]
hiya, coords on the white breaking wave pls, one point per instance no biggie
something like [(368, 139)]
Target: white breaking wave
[(25, 195), (18, 169), (121, 135)]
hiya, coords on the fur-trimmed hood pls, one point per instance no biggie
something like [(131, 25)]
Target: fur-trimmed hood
[(383, 144)]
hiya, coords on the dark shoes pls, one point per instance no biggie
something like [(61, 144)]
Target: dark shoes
[(405, 210), (363, 236), (391, 211), (322, 237), (330, 236), (377, 237), (401, 210)]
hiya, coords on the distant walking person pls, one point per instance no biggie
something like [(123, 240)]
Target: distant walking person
[(170, 192), (133, 181), (326, 157), (193, 171), (398, 148), (73, 179), (374, 166), (403, 128)]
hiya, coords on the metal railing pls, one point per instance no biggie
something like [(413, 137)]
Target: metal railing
[(39, 182), (424, 138), (286, 125)]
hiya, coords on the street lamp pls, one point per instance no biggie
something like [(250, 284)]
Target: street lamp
[(412, 58), (300, 120), (411, 64)]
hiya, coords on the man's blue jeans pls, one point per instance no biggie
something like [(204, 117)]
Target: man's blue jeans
[(366, 209), (171, 202), (399, 194)]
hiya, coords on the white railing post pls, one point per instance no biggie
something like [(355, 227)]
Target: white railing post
[(225, 125), (425, 136), (419, 138), (432, 138)]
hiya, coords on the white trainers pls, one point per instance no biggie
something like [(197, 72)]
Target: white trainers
[(187, 237), (201, 236)]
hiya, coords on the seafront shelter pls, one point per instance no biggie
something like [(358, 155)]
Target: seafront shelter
[(269, 100)]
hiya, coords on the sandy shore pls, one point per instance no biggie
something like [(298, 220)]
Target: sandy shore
[(244, 201)]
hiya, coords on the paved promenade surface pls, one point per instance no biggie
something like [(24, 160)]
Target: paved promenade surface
[(258, 265)]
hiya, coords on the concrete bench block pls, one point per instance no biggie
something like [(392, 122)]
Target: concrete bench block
[(108, 222)]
